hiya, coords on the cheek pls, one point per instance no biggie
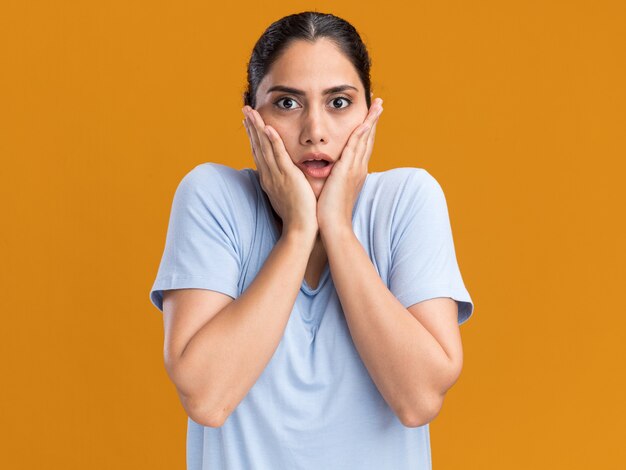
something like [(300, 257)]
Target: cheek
[(280, 126), (346, 133), (284, 132), (289, 138), (355, 121)]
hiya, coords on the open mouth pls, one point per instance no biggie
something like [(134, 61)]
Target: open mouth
[(316, 163)]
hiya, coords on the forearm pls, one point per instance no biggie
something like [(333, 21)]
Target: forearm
[(407, 364), (226, 357)]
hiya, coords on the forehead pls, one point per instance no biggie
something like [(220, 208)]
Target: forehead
[(311, 67)]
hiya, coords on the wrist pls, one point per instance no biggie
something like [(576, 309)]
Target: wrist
[(300, 235), (336, 231)]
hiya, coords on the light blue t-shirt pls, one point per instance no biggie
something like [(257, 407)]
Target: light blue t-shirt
[(315, 406)]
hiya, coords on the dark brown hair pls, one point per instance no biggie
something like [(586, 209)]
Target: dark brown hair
[(308, 26)]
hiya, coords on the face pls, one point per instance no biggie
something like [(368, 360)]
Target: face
[(307, 118)]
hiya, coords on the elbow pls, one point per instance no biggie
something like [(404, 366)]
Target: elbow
[(208, 420), (423, 415), (196, 405), (429, 407), (204, 415)]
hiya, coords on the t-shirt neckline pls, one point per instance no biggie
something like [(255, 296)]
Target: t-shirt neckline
[(269, 218)]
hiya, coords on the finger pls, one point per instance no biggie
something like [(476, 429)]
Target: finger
[(258, 160), (349, 151), (245, 125), (362, 131), (361, 146), (283, 160), (364, 157), (256, 138), (374, 112), (263, 140), (370, 121)]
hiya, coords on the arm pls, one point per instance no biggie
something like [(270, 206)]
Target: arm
[(215, 370), (410, 367)]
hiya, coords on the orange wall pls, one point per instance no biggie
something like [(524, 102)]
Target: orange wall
[(517, 108)]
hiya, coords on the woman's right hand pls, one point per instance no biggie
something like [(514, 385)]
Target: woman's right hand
[(288, 189)]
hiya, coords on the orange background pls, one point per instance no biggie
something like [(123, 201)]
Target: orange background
[(518, 110)]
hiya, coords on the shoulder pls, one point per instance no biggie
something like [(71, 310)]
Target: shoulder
[(411, 196), (215, 173), (408, 183), (215, 180)]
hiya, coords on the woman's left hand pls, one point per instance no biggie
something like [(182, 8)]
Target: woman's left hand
[(341, 189)]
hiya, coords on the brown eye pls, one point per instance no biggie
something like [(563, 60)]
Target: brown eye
[(291, 103), (339, 99)]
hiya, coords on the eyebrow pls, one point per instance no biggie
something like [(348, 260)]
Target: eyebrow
[(295, 91)]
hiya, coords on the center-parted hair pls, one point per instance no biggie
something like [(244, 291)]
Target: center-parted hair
[(307, 26)]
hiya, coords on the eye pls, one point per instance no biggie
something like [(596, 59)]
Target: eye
[(343, 98), (289, 103), (286, 99)]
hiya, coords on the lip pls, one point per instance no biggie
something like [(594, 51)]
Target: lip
[(316, 172), (315, 156)]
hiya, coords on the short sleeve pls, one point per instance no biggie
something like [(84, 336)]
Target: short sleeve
[(423, 258), (201, 246)]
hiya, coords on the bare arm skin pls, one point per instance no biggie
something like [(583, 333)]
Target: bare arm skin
[(216, 348), (413, 355)]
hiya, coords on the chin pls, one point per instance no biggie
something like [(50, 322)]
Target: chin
[(317, 188)]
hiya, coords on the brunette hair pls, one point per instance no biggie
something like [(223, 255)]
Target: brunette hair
[(307, 26)]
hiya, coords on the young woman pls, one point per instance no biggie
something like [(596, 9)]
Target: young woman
[(311, 308)]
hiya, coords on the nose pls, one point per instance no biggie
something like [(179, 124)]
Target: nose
[(314, 127)]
